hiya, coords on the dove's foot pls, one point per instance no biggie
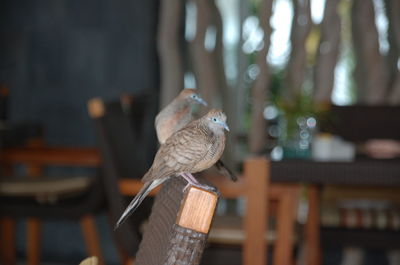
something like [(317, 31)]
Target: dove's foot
[(193, 182)]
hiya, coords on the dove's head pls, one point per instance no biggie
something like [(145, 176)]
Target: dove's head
[(216, 119), (190, 96)]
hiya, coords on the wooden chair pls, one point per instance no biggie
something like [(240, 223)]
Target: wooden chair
[(127, 152), (264, 199), (39, 198)]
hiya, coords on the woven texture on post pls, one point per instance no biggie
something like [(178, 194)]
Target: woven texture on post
[(164, 242), (186, 247)]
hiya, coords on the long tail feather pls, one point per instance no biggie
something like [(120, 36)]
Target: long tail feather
[(134, 204), (225, 171)]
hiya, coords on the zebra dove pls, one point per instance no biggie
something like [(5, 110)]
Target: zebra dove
[(194, 148), (178, 114)]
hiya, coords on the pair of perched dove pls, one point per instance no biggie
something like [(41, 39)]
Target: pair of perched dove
[(187, 146)]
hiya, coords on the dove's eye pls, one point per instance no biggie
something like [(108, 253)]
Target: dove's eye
[(214, 120)]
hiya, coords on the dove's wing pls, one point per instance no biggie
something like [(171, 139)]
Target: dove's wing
[(181, 153)]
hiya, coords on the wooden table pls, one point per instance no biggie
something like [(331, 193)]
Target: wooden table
[(361, 172)]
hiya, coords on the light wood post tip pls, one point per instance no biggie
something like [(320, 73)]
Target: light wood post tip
[(96, 108), (197, 210)]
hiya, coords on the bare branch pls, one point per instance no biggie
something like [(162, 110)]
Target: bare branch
[(296, 69), (327, 54), (370, 72), (259, 91), (203, 61), (169, 38), (393, 15)]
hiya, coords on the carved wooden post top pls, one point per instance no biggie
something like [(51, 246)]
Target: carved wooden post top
[(197, 209)]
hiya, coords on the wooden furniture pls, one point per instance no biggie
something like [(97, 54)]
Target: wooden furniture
[(127, 152), (361, 173), (358, 123), (264, 198), (254, 185), (25, 204)]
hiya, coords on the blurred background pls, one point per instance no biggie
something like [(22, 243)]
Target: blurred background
[(308, 80)]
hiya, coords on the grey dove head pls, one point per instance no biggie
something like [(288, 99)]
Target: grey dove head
[(192, 97), (216, 119)]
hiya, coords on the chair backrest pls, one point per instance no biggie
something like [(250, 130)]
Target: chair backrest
[(178, 225), (130, 135), (121, 148), (4, 91), (360, 123), (141, 111)]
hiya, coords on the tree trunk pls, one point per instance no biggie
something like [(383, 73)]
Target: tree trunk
[(218, 53), (258, 134), (169, 39), (327, 54), (204, 65), (225, 93), (370, 72), (393, 14), (296, 69)]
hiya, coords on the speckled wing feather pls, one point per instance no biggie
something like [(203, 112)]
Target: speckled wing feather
[(182, 152)]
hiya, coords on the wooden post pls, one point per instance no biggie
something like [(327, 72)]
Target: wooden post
[(283, 253), (33, 242), (312, 228), (34, 225), (256, 172), (7, 241), (197, 210), (259, 91), (88, 226)]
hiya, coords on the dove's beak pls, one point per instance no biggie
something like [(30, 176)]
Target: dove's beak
[(225, 126), (201, 101)]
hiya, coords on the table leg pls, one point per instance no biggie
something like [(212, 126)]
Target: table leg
[(33, 241), (285, 222), (312, 229), (256, 217), (7, 241)]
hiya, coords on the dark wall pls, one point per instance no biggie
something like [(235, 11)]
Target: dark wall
[(55, 55)]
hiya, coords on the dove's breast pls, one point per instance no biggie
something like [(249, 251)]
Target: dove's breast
[(213, 154)]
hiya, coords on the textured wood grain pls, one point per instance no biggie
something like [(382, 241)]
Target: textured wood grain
[(197, 210)]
